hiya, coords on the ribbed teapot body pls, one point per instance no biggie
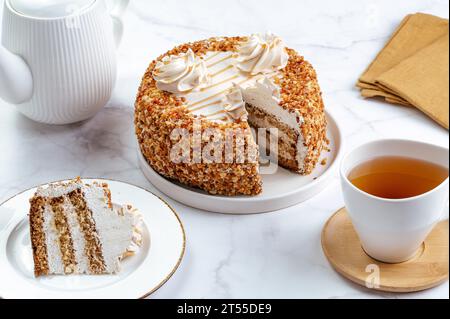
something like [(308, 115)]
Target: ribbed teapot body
[(72, 60)]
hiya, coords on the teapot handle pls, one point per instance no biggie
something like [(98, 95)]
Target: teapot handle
[(118, 9)]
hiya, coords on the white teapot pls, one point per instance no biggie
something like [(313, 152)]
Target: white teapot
[(57, 57)]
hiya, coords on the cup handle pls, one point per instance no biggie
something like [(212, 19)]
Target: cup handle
[(118, 9)]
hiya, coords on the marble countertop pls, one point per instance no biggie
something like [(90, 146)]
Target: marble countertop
[(275, 255)]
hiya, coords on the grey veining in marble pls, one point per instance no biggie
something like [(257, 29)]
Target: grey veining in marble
[(276, 255)]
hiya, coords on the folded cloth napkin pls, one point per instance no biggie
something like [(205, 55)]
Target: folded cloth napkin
[(422, 80), (389, 97), (399, 77)]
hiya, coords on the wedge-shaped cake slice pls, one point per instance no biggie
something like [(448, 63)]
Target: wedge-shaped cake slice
[(75, 229)]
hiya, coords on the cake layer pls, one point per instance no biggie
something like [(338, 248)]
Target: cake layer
[(38, 238), (285, 155), (54, 255), (77, 235)]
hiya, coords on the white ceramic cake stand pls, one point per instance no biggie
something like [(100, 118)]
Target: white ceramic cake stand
[(280, 190), (159, 257)]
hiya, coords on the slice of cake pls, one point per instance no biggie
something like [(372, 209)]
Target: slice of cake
[(75, 229), (224, 84)]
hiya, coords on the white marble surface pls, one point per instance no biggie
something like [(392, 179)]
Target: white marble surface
[(276, 255)]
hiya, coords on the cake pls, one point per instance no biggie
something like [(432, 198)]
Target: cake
[(197, 105), (76, 229)]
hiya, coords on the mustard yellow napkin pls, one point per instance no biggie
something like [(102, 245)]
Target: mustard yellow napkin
[(412, 68), (414, 33), (389, 97), (422, 80)]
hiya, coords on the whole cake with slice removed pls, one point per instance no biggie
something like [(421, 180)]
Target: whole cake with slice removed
[(76, 229), (229, 85)]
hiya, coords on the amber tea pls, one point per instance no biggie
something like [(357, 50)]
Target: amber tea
[(395, 177)]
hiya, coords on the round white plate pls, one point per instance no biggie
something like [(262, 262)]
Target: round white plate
[(142, 274), (280, 190)]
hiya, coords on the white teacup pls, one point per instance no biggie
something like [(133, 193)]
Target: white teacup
[(392, 230)]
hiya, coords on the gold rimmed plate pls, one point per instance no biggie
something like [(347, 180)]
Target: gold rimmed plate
[(164, 243)]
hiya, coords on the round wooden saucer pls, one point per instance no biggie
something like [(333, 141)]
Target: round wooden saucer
[(427, 269)]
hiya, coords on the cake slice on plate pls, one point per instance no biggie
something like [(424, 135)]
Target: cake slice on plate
[(76, 229)]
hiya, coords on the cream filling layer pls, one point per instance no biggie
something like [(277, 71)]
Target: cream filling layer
[(115, 231)]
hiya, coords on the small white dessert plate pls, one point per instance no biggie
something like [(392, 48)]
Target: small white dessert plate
[(280, 190), (161, 253)]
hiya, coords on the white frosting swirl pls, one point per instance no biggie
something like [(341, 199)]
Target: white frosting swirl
[(234, 104), (271, 89), (262, 53), (181, 73)]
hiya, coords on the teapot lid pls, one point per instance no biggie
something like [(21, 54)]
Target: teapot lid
[(49, 8)]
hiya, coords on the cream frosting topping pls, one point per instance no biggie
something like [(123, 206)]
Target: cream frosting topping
[(262, 53), (234, 104), (221, 96), (181, 73), (210, 101), (266, 85)]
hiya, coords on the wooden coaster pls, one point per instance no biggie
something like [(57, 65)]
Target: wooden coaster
[(429, 268)]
